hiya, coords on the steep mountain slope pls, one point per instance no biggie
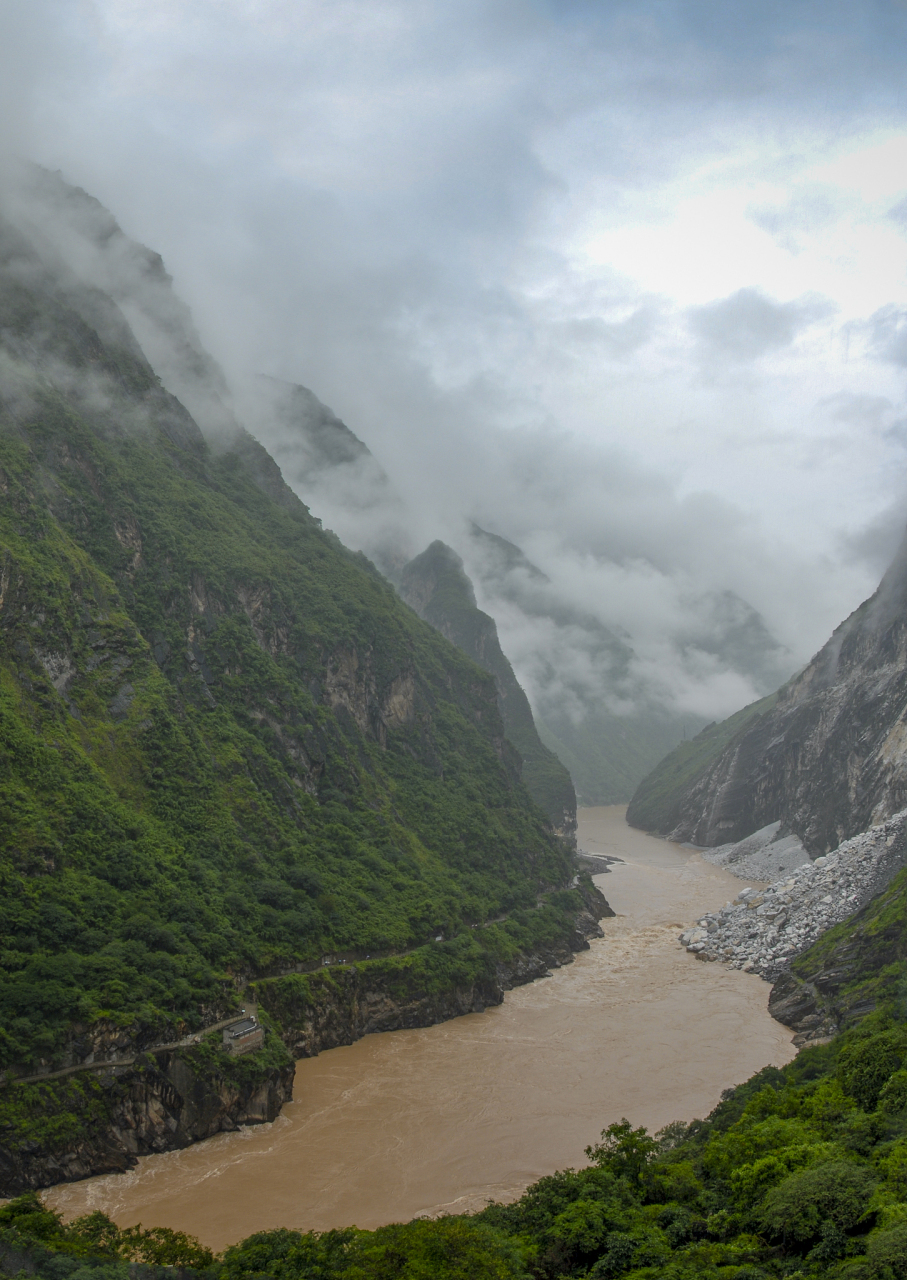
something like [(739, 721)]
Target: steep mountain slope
[(829, 759), (608, 717), (72, 226), (329, 467), (657, 801), (435, 585), (228, 749)]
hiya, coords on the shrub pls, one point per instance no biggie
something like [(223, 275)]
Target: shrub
[(835, 1191), (866, 1065)]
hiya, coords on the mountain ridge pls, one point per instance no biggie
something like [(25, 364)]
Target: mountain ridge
[(828, 759), (230, 753), (435, 584)]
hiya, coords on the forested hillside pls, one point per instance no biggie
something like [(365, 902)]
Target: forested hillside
[(228, 749), (799, 1172)]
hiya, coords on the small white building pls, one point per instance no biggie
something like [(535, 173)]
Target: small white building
[(244, 1035)]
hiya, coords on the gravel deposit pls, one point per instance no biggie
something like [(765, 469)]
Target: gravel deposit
[(763, 929), (761, 856)]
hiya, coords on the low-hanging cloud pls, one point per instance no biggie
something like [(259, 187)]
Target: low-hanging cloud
[(503, 243), (749, 325)]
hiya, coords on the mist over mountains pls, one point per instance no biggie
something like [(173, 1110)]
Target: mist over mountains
[(621, 652), (608, 702), (622, 284), (231, 752)]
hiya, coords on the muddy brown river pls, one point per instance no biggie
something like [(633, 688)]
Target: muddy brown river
[(446, 1118)]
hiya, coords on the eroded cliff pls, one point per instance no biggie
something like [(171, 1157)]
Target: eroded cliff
[(829, 759), (92, 1122)]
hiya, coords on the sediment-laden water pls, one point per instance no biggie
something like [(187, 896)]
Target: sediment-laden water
[(451, 1116)]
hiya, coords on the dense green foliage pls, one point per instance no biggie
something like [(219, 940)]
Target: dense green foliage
[(227, 748), (800, 1172), (655, 805), (436, 584), (90, 1246)]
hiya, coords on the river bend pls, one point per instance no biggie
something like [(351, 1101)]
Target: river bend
[(448, 1117)]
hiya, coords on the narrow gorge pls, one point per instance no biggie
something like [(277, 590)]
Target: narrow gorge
[(442, 1119)]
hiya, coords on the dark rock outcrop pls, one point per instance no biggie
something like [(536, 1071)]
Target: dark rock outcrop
[(162, 1102)]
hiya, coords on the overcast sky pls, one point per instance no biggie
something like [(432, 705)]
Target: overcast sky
[(623, 281)]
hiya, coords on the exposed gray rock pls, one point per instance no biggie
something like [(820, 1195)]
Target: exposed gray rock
[(760, 856), (830, 758), (763, 929)]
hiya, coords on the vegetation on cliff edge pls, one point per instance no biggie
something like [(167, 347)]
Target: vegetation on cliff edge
[(800, 1172)]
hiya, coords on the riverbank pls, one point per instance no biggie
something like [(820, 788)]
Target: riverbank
[(99, 1117), (764, 931), (447, 1117)]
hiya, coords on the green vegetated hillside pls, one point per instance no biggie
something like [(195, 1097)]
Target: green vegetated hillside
[(437, 587), (227, 748), (799, 1172), (655, 805)]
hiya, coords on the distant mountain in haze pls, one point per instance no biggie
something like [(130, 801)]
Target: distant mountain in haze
[(589, 708), (330, 468), (735, 634), (436, 586), (77, 228), (594, 706)]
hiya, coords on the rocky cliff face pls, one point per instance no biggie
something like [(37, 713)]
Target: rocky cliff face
[(95, 1123), (88, 1122), (342, 1004), (228, 748), (829, 759), (436, 586)]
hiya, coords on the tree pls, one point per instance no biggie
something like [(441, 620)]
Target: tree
[(835, 1191), (624, 1150)]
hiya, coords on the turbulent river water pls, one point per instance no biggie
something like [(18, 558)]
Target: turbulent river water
[(446, 1118)]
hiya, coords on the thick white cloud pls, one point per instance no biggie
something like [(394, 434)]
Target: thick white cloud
[(624, 282)]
